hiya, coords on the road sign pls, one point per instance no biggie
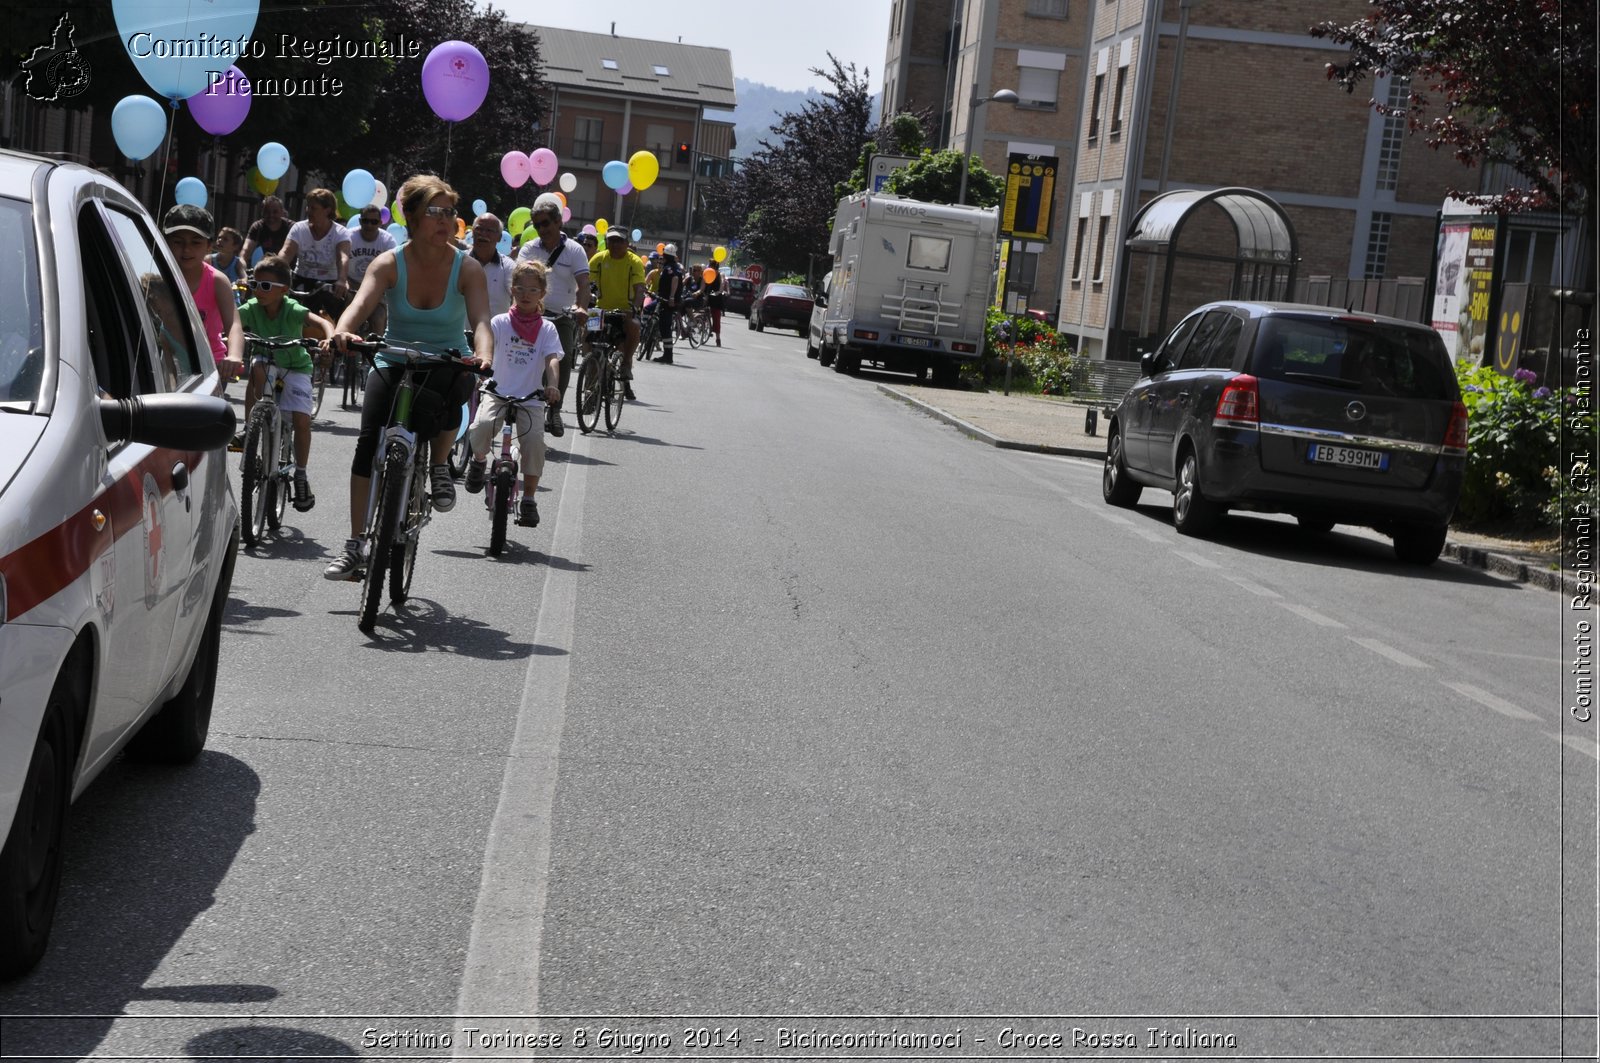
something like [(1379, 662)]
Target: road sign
[(881, 166), (1030, 197)]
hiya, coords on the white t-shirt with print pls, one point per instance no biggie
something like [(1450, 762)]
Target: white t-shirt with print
[(362, 252), (318, 258), (519, 365), (571, 264)]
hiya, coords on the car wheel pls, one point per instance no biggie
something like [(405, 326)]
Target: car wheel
[(750, 321), (756, 322), (946, 374), (30, 862), (826, 355), (1119, 488), (1315, 525), (803, 333), (811, 349), (1420, 544), (1192, 512), (177, 733)]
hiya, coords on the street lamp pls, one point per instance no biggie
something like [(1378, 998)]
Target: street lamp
[(1003, 96)]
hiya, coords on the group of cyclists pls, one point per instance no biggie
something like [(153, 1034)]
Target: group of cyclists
[(522, 317)]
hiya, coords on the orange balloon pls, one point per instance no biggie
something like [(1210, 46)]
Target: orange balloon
[(561, 197), (461, 228), (710, 275), (661, 249)]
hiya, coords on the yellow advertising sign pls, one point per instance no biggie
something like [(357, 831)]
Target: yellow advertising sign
[(1030, 196)]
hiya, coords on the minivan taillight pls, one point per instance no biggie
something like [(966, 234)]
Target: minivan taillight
[(1240, 404), (1455, 437)]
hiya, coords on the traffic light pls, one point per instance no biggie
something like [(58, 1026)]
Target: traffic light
[(684, 153)]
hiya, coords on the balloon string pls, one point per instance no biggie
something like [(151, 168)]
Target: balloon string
[(166, 153), (449, 128)]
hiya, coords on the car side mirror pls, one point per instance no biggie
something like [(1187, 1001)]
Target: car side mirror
[(181, 422), (820, 299), (1147, 363)]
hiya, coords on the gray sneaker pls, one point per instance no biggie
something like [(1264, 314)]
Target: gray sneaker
[(347, 566), (444, 489)]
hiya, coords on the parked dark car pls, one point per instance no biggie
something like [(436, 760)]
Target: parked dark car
[(786, 305), (738, 294), (1335, 417)]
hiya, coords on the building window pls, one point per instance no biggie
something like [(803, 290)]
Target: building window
[(661, 140), (609, 64), (1094, 107), (1378, 245), (1100, 249), (1116, 100), (661, 71), (1047, 8), (586, 138), (1077, 251), (1037, 88), (1394, 134)]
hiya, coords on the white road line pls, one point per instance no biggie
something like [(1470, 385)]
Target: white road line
[(1251, 586), (1112, 518), (501, 976), (1582, 745), (1309, 614), (1147, 535), (1490, 701), (1196, 559), (1383, 649)]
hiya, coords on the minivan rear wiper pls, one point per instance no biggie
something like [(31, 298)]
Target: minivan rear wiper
[(1326, 381)]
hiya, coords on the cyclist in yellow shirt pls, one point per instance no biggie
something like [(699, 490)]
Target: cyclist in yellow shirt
[(619, 275)]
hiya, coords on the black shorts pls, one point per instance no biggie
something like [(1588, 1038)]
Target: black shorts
[(441, 395)]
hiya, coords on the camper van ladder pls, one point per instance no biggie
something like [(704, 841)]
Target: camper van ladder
[(920, 308)]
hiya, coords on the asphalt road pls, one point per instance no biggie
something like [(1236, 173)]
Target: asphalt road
[(800, 703)]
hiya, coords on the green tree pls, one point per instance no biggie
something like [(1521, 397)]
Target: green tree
[(935, 177), (904, 134)]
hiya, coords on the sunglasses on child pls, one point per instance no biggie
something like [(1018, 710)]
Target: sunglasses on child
[(266, 286)]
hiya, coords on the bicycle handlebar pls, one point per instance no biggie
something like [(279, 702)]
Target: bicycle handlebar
[(491, 389), (279, 343), (450, 358)]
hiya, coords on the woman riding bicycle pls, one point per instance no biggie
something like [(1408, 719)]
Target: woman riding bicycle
[(434, 291)]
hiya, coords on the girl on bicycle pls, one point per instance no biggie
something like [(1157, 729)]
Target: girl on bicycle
[(527, 349), (434, 291), (272, 315), (189, 230)]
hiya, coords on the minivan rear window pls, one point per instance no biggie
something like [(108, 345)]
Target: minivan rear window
[(1352, 355)]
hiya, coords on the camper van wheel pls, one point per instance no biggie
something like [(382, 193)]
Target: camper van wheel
[(946, 374)]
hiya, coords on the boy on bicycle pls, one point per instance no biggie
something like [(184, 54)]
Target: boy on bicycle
[(271, 314), (527, 349)]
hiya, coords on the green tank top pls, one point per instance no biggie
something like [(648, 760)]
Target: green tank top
[(440, 327)]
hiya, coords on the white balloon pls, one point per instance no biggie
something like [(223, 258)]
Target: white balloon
[(568, 183), (380, 198)]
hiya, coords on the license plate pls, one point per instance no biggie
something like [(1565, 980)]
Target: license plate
[(915, 341), (1349, 457), (593, 323)]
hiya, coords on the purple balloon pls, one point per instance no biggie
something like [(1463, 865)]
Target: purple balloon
[(455, 80), (221, 106)]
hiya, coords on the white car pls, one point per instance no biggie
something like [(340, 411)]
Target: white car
[(117, 522)]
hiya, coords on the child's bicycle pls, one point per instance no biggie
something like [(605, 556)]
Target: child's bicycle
[(267, 465), (503, 486)]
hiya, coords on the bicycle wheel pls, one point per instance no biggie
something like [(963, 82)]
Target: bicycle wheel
[(392, 485), (281, 483), (403, 554), (647, 339), (501, 511), (590, 379), (254, 501), (319, 384), (613, 391), (699, 329)]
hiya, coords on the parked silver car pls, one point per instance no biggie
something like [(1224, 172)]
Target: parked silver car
[(117, 522), (1335, 417)]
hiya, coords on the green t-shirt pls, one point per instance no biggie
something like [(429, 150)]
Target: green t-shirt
[(616, 278), (290, 322)]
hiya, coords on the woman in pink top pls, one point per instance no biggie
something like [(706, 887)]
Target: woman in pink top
[(188, 230)]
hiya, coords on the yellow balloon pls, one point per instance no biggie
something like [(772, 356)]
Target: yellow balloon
[(600, 227), (396, 214), (643, 169), (719, 253)]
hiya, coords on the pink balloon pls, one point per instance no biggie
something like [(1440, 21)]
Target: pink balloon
[(566, 214), (221, 108), (627, 186), (514, 168), (455, 80), (542, 165)]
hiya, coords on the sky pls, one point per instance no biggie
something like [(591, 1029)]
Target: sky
[(773, 43)]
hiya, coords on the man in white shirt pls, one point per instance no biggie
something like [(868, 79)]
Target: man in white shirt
[(366, 243), (496, 267), (567, 302)]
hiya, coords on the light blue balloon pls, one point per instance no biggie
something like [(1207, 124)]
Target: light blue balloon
[(359, 188), (504, 246), (257, 255), (138, 125), (615, 174), (479, 207), (355, 222), (637, 235), (176, 45), (190, 190), (399, 233), (273, 161)]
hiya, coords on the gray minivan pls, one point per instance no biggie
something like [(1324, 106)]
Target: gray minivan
[(1333, 416)]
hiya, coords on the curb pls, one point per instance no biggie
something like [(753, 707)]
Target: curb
[(1475, 557)]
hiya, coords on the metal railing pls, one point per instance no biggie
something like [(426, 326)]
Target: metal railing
[(920, 309)]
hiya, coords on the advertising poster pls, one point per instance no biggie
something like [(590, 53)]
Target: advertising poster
[(1463, 286), (1029, 196)]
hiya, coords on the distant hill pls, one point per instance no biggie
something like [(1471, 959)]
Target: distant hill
[(759, 108)]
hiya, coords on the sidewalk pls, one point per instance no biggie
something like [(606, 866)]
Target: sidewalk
[(1057, 426)]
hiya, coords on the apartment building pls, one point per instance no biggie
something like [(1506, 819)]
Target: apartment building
[(1243, 84), (611, 96)]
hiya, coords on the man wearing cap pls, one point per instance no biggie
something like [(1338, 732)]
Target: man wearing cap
[(619, 273), (669, 296), (566, 302)]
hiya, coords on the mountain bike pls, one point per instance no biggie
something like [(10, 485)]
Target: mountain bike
[(267, 466), (697, 325), (504, 482), (600, 383), (649, 334), (400, 504)]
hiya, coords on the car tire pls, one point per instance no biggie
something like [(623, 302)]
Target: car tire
[(1116, 485), (811, 349), (756, 322), (750, 322), (1420, 544), (30, 861), (946, 374), (826, 355), (177, 733), (1192, 512), (1315, 525)]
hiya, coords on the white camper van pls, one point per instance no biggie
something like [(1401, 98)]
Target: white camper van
[(909, 287)]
